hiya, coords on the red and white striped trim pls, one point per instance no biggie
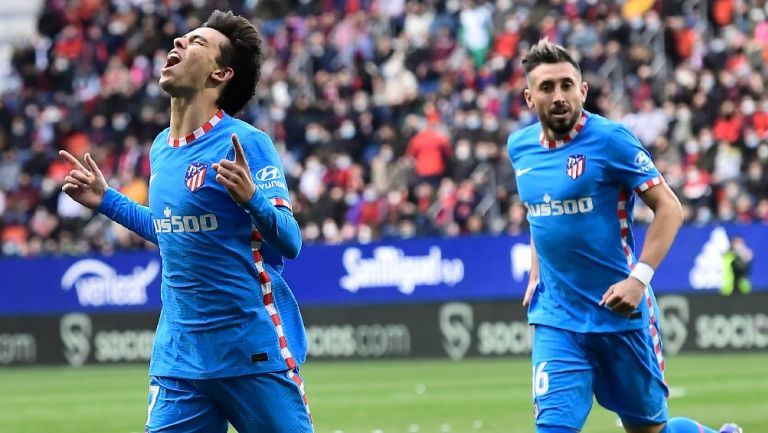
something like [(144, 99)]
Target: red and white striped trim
[(197, 133), (624, 227), (277, 201), (269, 303), (623, 215), (654, 331), (554, 144), (645, 186), (300, 383)]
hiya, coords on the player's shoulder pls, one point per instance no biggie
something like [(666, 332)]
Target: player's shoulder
[(600, 126), (162, 136), (528, 135), (248, 134), (256, 143), (613, 131), (525, 133), (161, 139), (615, 140)]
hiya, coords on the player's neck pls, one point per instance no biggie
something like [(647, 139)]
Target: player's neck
[(188, 114), (551, 135)]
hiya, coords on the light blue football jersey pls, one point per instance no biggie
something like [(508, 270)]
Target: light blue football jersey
[(227, 311), (579, 193)]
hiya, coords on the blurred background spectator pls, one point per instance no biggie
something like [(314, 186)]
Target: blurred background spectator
[(391, 116)]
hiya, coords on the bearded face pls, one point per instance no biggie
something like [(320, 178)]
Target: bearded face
[(555, 91)]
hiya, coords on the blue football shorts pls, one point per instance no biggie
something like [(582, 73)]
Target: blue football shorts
[(263, 403), (623, 370)]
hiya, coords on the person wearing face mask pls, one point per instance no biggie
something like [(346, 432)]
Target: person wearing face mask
[(347, 139), (473, 126), (464, 161), (491, 131)]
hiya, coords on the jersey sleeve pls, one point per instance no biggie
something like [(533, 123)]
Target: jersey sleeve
[(129, 214), (269, 207), (630, 163)]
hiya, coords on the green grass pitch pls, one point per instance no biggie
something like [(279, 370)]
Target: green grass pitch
[(473, 396)]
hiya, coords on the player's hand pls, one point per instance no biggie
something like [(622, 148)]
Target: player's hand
[(529, 293), (624, 296), (86, 186), (236, 175)]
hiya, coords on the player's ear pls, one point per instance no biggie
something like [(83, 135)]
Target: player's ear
[(584, 90), (528, 98), (222, 75)]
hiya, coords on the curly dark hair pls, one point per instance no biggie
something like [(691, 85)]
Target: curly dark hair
[(243, 53)]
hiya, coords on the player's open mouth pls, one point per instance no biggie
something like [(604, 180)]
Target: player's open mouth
[(560, 112), (172, 60)]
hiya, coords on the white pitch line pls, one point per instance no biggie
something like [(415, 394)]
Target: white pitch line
[(675, 392)]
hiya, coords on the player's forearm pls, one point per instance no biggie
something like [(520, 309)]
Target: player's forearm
[(533, 275), (276, 224), (129, 214), (668, 218)]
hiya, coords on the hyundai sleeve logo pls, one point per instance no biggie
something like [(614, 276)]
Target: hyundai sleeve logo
[(269, 172)]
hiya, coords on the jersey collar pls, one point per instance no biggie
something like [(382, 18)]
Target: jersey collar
[(554, 144), (197, 133)]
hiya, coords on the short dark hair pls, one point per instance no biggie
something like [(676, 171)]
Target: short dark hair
[(547, 52), (243, 53)]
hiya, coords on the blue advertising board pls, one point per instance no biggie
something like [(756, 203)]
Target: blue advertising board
[(488, 267), (415, 270), (126, 281)]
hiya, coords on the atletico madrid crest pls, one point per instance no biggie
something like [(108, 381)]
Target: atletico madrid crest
[(195, 176), (575, 166)]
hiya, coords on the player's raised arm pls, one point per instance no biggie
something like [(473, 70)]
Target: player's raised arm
[(85, 186), (276, 223), (88, 187)]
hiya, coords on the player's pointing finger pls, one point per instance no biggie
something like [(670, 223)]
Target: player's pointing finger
[(239, 154), (72, 160)]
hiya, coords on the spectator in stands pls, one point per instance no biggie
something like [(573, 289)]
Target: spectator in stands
[(348, 85), (737, 264), (431, 152)]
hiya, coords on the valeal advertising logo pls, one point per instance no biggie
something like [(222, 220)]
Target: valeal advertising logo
[(390, 267), (98, 284)]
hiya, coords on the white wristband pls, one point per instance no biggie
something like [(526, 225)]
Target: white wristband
[(643, 272)]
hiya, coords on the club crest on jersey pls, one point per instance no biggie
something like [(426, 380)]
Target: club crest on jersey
[(575, 166), (195, 176)]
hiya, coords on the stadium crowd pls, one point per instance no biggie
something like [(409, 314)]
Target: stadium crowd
[(391, 117)]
